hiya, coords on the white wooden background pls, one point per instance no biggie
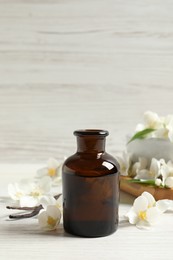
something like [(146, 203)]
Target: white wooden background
[(69, 64)]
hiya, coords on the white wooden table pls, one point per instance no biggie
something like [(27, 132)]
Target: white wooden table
[(69, 64), (22, 239)]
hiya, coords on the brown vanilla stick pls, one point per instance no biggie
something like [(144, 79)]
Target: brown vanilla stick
[(34, 210)]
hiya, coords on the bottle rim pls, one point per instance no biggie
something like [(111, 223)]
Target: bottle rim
[(84, 132)]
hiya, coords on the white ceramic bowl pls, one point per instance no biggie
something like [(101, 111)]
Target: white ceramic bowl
[(151, 148)]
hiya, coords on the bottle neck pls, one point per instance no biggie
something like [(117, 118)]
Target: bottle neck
[(91, 144)]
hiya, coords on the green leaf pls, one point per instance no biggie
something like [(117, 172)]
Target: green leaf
[(141, 134), (147, 182)]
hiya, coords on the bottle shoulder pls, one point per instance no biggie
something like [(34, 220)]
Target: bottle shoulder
[(91, 165)]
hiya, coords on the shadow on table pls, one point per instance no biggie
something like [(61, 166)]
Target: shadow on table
[(123, 224), (23, 228), (30, 228), (60, 232)]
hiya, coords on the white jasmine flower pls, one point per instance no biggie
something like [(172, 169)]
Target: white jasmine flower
[(15, 191), (150, 199), (124, 163), (169, 182), (20, 189), (150, 174), (166, 173), (162, 133), (164, 205), (166, 128), (162, 126), (35, 192), (170, 133), (170, 164), (47, 201), (159, 170), (144, 212), (158, 182), (138, 166), (53, 170), (28, 193), (140, 127), (49, 218), (58, 179), (152, 120)]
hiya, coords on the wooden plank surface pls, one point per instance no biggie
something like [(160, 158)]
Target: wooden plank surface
[(80, 64), (69, 64), (23, 239)]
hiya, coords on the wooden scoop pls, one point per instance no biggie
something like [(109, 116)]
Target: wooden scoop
[(136, 189)]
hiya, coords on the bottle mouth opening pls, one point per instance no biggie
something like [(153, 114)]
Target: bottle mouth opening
[(84, 132)]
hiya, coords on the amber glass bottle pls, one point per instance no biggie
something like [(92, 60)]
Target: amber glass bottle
[(90, 187)]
